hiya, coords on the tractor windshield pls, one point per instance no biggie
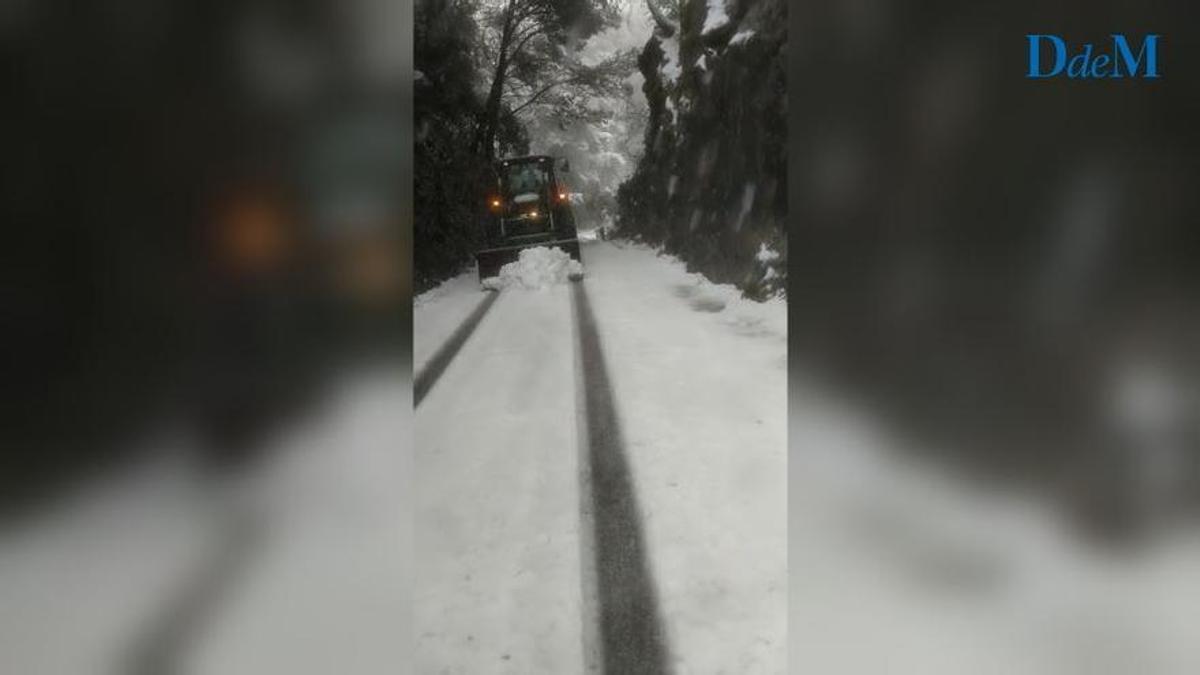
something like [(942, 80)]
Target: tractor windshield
[(525, 180)]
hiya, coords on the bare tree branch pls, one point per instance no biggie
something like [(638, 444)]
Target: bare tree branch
[(540, 93), (533, 32)]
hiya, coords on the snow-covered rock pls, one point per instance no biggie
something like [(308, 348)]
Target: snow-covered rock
[(716, 18), (766, 255), (710, 184), (741, 37)]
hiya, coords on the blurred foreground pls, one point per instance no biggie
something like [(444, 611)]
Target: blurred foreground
[(900, 564), (207, 326), (995, 439), (299, 564)]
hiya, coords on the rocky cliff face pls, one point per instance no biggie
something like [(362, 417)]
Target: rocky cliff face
[(711, 185)]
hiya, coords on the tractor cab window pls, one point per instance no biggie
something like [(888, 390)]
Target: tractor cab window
[(525, 178)]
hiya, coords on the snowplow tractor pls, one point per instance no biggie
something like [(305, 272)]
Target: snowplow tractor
[(529, 207)]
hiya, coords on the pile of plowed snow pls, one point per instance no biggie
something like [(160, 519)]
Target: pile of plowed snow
[(536, 268)]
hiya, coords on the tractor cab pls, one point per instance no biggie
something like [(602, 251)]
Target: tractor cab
[(530, 206)]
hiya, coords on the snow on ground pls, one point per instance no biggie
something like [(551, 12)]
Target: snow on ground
[(437, 312), (537, 268), (498, 503), (329, 587), (700, 381), (80, 583), (903, 569), (86, 585)]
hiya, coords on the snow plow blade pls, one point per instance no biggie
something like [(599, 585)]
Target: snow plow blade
[(491, 260)]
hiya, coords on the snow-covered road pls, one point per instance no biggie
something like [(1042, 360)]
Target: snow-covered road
[(498, 573), (506, 561), (304, 562)]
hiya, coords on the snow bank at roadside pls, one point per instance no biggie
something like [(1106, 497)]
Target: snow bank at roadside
[(726, 302), (536, 268)]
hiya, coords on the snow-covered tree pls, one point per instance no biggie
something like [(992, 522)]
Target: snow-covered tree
[(532, 47)]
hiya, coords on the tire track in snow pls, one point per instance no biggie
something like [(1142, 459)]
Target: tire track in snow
[(436, 365), (160, 650), (632, 640)]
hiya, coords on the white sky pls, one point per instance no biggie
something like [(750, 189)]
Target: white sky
[(633, 33)]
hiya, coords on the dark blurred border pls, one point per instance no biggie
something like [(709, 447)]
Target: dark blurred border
[(987, 262), (208, 214)]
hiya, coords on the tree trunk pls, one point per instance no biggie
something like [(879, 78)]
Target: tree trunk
[(491, 113), (485, 138)]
